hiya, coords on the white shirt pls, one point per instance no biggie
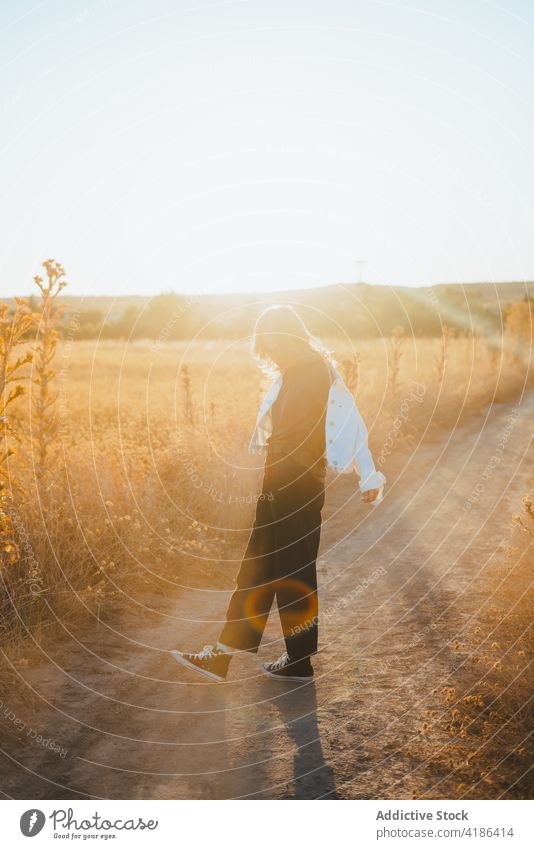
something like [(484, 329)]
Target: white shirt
[(346, 434)]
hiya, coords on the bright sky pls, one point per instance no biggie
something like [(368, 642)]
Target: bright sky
[(266, 144)]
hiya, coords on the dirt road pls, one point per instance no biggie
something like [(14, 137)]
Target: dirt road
[(399, 584)]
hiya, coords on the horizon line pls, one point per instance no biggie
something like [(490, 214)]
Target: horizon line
[(284, 291)]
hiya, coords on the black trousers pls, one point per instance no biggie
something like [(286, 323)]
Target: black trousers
[(280, 563)]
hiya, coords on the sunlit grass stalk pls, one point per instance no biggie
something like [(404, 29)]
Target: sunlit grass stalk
[(14, 327), (351, 371), (396, 344), (441, 361), (187, 396), (44, 422)]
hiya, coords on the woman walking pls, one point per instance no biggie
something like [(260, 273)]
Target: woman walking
[(308, 421)]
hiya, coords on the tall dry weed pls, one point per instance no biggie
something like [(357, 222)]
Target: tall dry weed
[(43, 423), (445, 341), (396, 347), (153, 496)]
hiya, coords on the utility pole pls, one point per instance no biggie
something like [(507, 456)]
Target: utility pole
[(360, 263)]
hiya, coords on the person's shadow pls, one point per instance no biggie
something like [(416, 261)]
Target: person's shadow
[(312, 777)]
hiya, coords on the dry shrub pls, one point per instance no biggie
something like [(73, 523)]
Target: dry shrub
[(481, 739), (447, 336), (350, 369), (396, 345), (43, 421), (153, 486), (14, 328)]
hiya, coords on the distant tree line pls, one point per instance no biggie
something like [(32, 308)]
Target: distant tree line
[(360, 311)]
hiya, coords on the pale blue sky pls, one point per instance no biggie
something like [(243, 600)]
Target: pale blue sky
[(227, 146)]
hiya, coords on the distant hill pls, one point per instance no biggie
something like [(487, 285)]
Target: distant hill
[(357, 309)]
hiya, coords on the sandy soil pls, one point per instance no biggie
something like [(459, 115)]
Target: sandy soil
[(133, 724)]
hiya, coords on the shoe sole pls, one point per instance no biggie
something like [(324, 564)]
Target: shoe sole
[(302, 678), (181, 659)]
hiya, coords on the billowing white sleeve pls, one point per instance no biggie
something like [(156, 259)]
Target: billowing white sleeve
[(263, 428), (364, 465)]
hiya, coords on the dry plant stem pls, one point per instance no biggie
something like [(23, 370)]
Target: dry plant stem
[(149, 501), (350, 368), (44, 424), (14, 327), (441, 364), (187, 396), (396, 345)]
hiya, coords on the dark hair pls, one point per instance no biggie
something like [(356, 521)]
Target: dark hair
[(282, 320)]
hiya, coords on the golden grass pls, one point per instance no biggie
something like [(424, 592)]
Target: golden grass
[(485, 714), (154, 481), (153, 487)]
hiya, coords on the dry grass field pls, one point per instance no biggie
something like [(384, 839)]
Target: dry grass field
[(146, 488), (149, 465)]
